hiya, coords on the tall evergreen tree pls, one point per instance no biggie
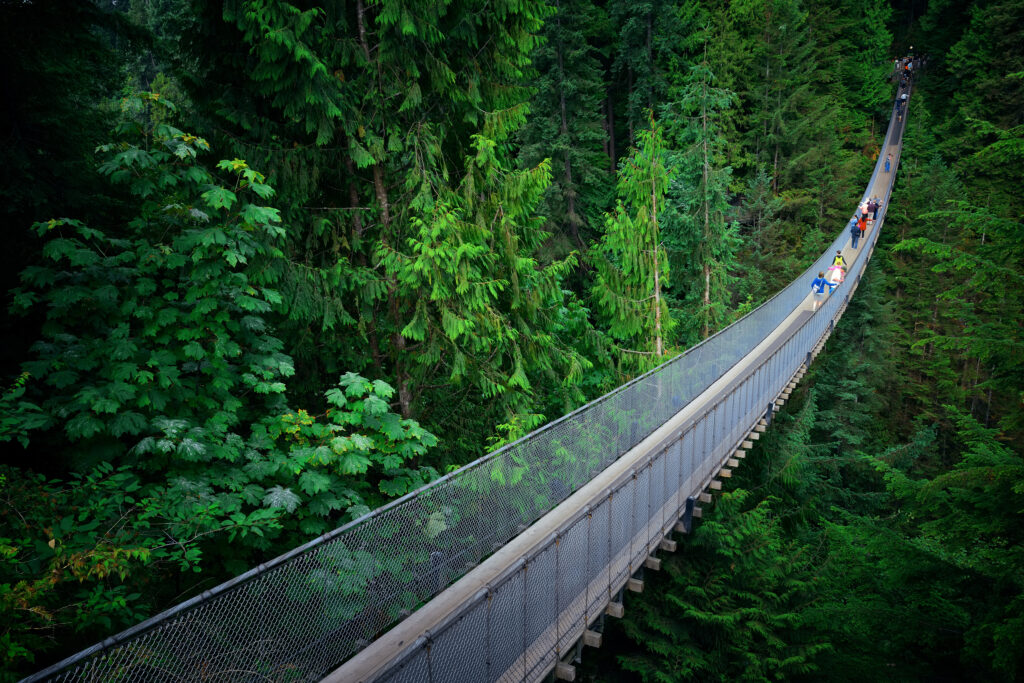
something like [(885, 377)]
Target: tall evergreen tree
[(648, 42), (631, 263), (698, 228), (565, 122)]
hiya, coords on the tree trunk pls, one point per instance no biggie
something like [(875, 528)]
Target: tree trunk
[(650, 58), (611, 132), (629, 114), (380, 190), (353, 203), (570, 191), (775, 170), (706, 179), (397, 340), (658, 350)]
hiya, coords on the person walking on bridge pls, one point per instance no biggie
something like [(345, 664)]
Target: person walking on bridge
[(862, 225), (854, 232), (888, 162), (818, 286)]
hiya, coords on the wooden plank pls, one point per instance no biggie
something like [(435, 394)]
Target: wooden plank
[(653, 563), (591, 638), (704, 497), (565, 672), (697, 512), (740, 453), (615, 609), (680, 528), (724, 473), (732, 462), (635, 585), (760, 429), (667, 545), (747, 444)]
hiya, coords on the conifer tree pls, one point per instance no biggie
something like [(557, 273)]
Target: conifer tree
[(775, 65), (631, 263), (483, 310), (649, 38), (697, 227), (731, 606), (565, 122)]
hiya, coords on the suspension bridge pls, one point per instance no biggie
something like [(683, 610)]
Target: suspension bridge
[(506, 568)]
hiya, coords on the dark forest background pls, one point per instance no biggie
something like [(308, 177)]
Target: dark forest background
[(269, 265)]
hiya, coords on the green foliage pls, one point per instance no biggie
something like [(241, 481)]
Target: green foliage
[(483, 310), (701, 239), (631, 264), (76, 556), (731, 608), (55, 108), (649, 40), (565, 123), (414, 108), (969, 520), (157, 319), (159, 378)]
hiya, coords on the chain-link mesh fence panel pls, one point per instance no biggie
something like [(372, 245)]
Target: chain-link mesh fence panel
[(458, 653), (571, 585), (506, 627), (540, 631), (413, 668), (598, 558), (621, 527), (673, 480), (641, 516)]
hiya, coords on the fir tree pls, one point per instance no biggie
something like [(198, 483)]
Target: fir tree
[(630, 260), (565, 122), (699, 231)]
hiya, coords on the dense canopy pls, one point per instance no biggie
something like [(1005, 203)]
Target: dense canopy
[(272, 264)]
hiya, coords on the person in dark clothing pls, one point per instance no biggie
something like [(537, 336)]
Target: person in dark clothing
[(854, 232)]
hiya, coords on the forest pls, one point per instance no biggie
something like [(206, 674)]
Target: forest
[(272, 264)]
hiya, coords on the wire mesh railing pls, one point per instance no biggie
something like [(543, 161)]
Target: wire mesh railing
[(297, 617)]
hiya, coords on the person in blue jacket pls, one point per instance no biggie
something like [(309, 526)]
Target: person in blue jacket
[(854, 232), (818, 288)]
